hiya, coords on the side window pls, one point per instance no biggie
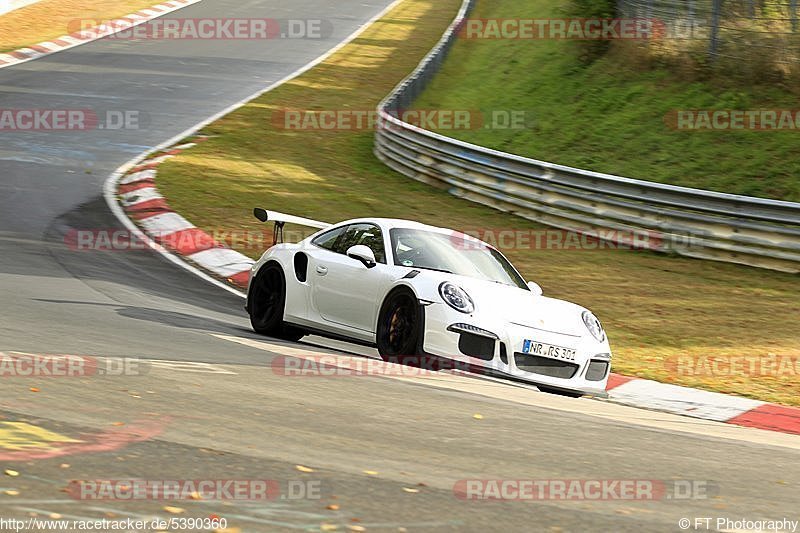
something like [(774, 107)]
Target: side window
[(367, 234), (328, 239)]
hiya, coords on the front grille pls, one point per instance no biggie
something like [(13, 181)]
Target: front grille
[(476, 346), (597, 370), (544, 365)]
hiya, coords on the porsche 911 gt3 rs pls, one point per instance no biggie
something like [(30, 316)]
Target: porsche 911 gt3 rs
[(410, 289)]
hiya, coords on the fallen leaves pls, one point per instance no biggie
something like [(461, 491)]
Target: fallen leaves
[(477, 416), (370, 472), (11, 492), (302, 468), (174, 510), (409, 489), (34, 389), (332, 507), (12, 473)]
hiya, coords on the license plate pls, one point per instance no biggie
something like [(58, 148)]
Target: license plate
[(548, 350)]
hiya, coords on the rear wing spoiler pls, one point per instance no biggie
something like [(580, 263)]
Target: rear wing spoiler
[(282, 218)]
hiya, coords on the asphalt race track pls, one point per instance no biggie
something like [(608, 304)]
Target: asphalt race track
[(226, 414)]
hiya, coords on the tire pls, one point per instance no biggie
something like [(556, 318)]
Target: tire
[(266, 303), (559, 392), (291, 333), (399, 332)]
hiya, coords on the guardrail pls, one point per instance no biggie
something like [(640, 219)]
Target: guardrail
[(711, 225)]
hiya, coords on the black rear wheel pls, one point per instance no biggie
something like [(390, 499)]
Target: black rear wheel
[(399, 335), (266, 303)]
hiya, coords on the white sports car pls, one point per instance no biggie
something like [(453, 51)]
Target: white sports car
[(414, 291)]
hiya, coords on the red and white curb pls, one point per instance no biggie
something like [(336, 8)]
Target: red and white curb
[(697, 403), (88, 35), (142, 202)]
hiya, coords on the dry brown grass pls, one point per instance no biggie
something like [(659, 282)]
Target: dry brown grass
[(50, 19)]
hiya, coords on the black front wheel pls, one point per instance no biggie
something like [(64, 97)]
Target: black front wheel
[(266, 303), (399, 335)]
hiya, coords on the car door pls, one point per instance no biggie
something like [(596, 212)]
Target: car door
[(345, 292)]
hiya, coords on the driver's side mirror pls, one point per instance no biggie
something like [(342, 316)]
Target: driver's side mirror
[(362, 253), (535, 288)]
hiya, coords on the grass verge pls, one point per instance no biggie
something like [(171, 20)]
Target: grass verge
[(612, 115), (655, 307), (50, 19)]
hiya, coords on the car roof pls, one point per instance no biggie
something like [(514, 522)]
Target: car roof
[(388, 223)]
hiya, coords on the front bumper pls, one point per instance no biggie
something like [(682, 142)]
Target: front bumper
[(497, 347)]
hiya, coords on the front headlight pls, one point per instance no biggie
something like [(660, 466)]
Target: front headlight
[(594, 326), (456, 297)]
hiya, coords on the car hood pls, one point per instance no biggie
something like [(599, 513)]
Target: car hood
[(522, 306)]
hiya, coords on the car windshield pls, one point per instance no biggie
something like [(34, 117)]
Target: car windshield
[(454, 253)]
